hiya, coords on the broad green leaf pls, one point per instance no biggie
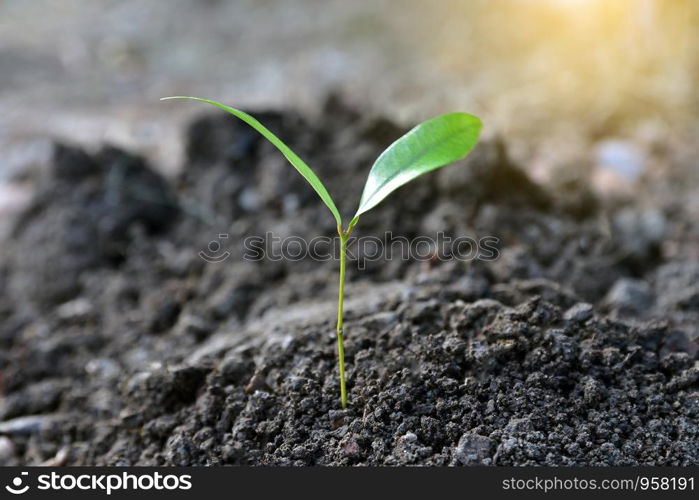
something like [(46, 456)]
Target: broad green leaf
[(293, 158), (430, 145)]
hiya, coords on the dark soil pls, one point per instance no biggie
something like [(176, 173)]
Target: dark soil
[(120, 345)]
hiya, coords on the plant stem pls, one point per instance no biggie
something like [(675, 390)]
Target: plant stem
[(340, 302)]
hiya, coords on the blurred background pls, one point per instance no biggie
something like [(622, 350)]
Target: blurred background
[(544, 73), (569, 83)]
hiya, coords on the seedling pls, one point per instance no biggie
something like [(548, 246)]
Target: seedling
[(430, 145)]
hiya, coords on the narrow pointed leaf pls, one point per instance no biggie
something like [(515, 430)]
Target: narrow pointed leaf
[(432, 144), (293, 158)]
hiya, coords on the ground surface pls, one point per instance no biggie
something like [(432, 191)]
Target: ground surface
[(120, 345)]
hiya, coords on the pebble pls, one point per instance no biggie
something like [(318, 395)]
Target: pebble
[(410, 437), (621, 157), (7, 449), (76, 309), (27, 425), (350, 448), (630, 296), (582, 311), (473, 449), (640, 231)]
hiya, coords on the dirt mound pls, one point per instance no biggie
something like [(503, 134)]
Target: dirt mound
[(432, 382), (120, 345), (82, 218)]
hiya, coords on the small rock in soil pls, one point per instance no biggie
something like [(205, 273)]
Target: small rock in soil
[(473, 449)]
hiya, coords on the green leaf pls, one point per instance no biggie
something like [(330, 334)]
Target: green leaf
[(430, 145), (293, 158)]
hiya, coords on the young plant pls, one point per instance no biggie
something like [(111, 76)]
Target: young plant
[(430, 145)]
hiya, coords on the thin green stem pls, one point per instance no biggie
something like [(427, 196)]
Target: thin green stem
[(340, 303)]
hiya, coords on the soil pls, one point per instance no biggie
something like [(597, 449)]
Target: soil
[(121, 346)]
